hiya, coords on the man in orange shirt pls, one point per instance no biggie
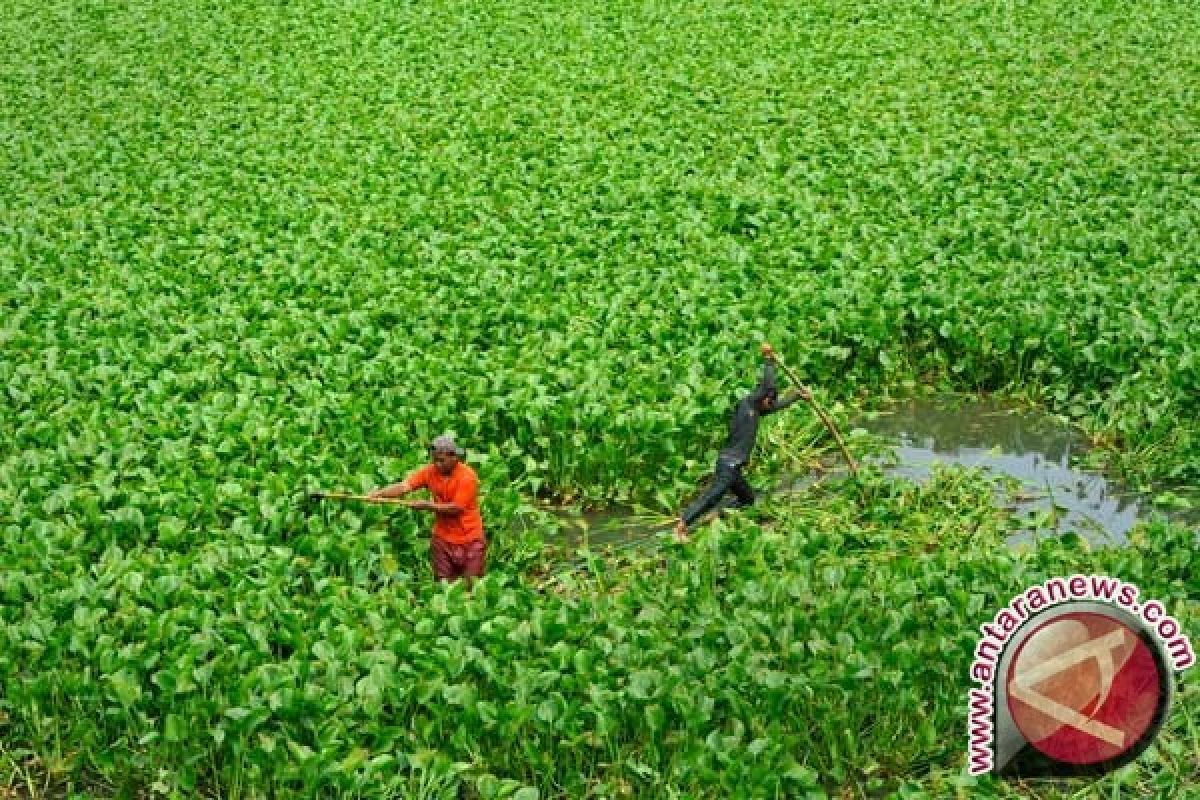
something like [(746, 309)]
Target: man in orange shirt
[(458, 547)]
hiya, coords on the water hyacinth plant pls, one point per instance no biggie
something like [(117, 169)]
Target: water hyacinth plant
[(252, 249)]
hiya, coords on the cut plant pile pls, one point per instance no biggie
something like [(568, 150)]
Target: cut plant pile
[(249, 250)]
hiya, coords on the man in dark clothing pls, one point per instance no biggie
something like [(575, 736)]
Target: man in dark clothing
[(743, 429)]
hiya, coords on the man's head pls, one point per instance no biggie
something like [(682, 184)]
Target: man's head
[(445, 453), (765, 393)]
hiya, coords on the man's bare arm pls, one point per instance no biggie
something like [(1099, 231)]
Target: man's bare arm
[(453, 509), (395, 490)]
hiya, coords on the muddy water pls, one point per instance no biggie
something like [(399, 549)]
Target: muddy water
[(612, 528), (1038, 451)]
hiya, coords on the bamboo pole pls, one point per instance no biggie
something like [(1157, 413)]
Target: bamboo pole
[(820, 412), (394, 501)]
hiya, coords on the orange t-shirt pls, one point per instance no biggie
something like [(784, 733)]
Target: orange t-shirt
[(460, 487)]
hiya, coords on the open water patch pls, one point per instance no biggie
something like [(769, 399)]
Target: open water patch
[(1038, 451)]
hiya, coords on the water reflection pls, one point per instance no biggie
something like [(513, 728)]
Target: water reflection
[(1035, 449)]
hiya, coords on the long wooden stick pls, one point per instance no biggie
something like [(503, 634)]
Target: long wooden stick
[(395, 501), (820, 413)]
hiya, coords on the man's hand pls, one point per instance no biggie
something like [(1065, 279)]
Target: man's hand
[(394, 490), (768, 351), (804, 393)]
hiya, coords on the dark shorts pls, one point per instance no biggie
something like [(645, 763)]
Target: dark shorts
[(451, 561), (726, 478)]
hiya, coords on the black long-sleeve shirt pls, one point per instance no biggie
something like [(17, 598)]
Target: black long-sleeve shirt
[(743, 428)]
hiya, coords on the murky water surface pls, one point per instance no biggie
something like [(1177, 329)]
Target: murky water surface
[(1036, 450), (608, 529)]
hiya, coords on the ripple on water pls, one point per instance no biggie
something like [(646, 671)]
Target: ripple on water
[(1033, 448)]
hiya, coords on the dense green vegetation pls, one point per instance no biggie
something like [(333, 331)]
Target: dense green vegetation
[(248, 249)]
